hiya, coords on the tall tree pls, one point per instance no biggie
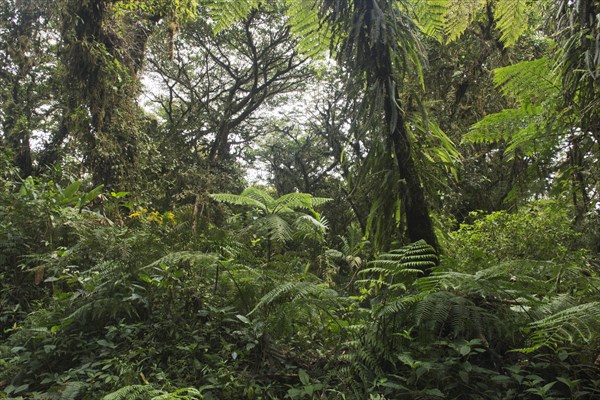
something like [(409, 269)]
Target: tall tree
[(381, 47), (25, 59)]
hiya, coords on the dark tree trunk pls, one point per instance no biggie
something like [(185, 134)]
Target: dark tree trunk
[(418, 221), (381, 76)]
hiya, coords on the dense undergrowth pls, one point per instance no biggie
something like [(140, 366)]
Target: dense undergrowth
[(103, 298)]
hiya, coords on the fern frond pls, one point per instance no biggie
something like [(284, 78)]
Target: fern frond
[(293, 201), (133, 392), (503, 125), (226, 13), (460, 15), (446, 313), (72, 390), (147, 392), (511, 19), (180, 394), (400, 304), (276, 227), (528, 81), (306, 27), (239, 200), (195, 258), (259, 195), (317, 201), (310, 221), (577, 323), (407, 261), (431, 17), (295, 291)]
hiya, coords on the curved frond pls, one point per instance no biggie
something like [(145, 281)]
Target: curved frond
[(226, 13), (259, 195), (580, 322), (296, 291), (293, 201), (239, 200), (460, 15), (503, 125), (311, 222), (528, 80), (431, 17), (306, 27), (276, 228), (511, 19), (188, 257), (133, 392), (445, 313)]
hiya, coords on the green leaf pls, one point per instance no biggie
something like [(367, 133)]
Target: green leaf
[(91, 195), (434, 392), (69, 191), (304, 377)]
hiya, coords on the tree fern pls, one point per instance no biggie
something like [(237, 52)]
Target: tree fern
[(504, 125), (431, 16), (445, 313), (239, 200), (528, 81), (511, 19), (276, 228), (148, 392), (225, 13), (533, 85), (460, 15), (259, 195), (578, 323), (306, 27), (397, 268), (294, 291), (279, 216)]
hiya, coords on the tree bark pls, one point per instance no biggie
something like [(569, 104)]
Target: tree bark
[(418, 221), (381, 76)]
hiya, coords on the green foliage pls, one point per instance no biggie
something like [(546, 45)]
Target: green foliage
[(281, 219), (147, 392), (540, 231), (225, 13), (511, 19), (119, 295), (306, 26)]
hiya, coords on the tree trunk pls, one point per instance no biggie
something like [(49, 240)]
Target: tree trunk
[(418, 221), (381, 76)]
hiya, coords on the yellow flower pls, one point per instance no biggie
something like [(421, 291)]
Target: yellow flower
[(170, 216)]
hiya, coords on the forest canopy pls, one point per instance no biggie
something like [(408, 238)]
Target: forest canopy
[(299, 199)]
